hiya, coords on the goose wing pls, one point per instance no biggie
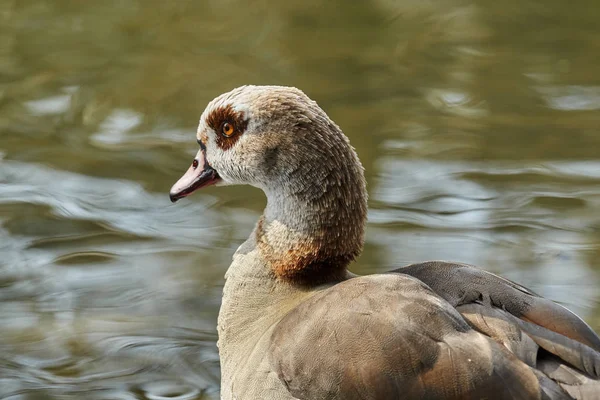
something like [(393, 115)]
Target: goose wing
[(391, 336), (461, 284), (541, 333)]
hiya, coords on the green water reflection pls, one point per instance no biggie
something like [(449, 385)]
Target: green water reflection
[(478, 123)]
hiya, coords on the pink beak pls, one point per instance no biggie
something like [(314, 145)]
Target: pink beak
[(199, 175)]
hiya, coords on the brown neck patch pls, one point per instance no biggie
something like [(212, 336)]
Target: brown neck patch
[(218, 119), (307, 263)]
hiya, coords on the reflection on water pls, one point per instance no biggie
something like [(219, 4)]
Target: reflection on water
[(477, 123)]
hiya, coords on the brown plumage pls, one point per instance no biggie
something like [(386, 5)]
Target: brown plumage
[(295, 324), (226, 115)]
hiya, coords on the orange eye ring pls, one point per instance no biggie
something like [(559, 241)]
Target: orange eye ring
[(227, 129)]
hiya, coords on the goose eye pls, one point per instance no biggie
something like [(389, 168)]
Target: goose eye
[(227, 129)]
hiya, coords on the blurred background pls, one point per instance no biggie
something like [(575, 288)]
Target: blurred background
[(478, 123)]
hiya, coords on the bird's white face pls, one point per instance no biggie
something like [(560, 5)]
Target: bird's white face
[(245, 137)]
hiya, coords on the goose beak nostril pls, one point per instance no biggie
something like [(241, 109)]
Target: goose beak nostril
[(198, 175)]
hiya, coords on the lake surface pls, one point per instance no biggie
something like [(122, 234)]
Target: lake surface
[(478, 124)]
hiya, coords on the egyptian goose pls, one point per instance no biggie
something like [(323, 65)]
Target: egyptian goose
[(295, 324)]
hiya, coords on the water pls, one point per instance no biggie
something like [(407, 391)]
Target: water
[(478, 123)]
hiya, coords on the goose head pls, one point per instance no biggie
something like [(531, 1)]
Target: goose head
[(279, 140)]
